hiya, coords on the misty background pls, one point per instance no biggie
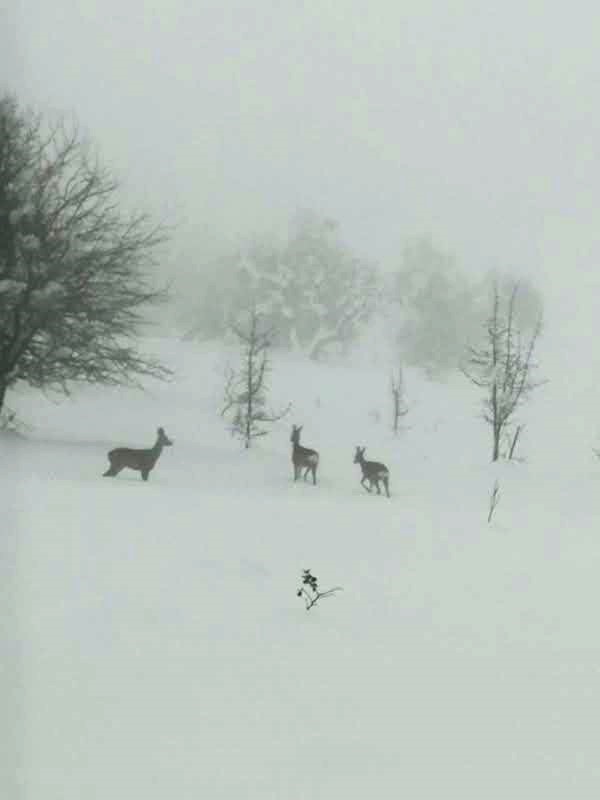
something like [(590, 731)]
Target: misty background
[(413, 149), (473, 124)]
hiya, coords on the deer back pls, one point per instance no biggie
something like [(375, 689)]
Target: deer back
[(304, 455), (134, 459)]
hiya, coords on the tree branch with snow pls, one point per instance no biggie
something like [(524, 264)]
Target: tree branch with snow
[(74, 269)]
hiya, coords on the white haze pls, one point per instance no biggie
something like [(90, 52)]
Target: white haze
[(477, 123)]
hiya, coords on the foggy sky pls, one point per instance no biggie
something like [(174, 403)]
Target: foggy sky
[(476, 122)]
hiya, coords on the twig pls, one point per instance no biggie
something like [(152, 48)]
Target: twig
[(514, 442), (312, 598), (494, 500)]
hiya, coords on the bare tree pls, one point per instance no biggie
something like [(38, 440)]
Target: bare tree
[(74, 270), (399, 408), (246, 389), (315, 292), (503, 366), (312, 594)]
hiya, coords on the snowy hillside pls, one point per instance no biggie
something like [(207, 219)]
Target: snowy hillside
[(155, 646)]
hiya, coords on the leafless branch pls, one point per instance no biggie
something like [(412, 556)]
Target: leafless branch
[(503, 366), (81, 262)]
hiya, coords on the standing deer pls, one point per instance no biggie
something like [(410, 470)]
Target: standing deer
[(303, 458), (372, 471), (141, 460)]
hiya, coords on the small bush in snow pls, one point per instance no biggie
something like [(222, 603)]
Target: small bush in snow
[(310, 590)]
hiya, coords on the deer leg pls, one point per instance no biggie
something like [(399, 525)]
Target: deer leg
[(314, 474), (387, 488), (112, 471), (145, 473), (362, 483), (377, 487)]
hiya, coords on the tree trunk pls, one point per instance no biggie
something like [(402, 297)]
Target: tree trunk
[(514, 442), (497, 430)]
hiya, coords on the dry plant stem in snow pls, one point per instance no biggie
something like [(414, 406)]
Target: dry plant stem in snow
[(494, 500), (310, 591)]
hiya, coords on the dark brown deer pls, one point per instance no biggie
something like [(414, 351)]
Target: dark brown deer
[(303, 458), (372, 471), (141, 460)]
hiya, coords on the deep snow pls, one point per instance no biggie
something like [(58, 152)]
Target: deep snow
[(154, 645)]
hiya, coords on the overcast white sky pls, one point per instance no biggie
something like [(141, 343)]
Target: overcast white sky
[(478, 122)]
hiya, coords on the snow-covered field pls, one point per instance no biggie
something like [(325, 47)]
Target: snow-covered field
[(154, 646)]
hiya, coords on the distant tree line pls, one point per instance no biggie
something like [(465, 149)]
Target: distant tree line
[(317, 297)]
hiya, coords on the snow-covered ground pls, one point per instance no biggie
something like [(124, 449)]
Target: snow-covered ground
[(154, 646)]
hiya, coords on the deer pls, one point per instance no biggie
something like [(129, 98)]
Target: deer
[(141, 460), (303, 458), (372, 471)]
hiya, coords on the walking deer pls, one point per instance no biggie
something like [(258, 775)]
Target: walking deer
[(141, 460), (303, 458), (372, 471)]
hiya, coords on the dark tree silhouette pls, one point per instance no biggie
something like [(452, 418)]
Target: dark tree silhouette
[(246, 388), (73, 268)]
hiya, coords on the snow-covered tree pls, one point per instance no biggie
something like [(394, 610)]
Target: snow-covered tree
[(309, 287), (73, 268), (503, 366)]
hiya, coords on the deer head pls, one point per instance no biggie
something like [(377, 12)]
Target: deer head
[(295, 437), (163, 439), (359, 454)]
